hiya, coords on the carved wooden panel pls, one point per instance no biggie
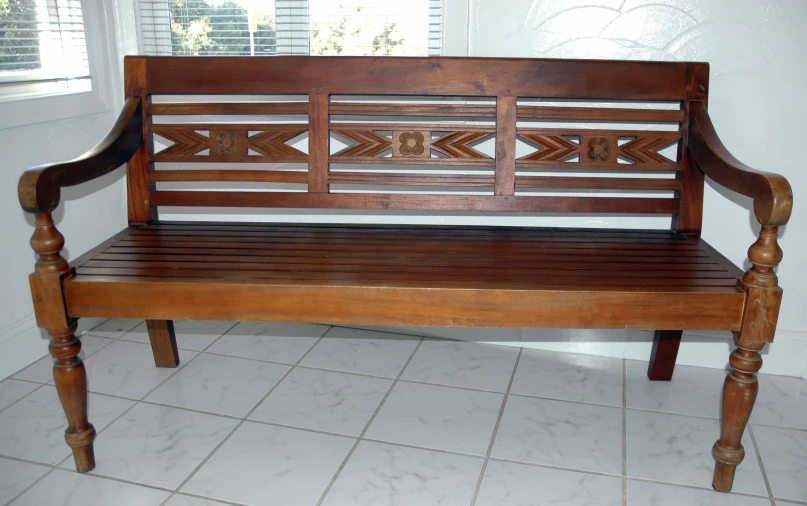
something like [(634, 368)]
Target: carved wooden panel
[(228, 143), (588, 148), (413, 144)]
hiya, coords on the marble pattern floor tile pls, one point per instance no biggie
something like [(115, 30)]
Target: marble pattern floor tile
[(782, 402), (563, 434), (16, 476), (512, 484), (677, 449), (462, 364), (379, 474), (265, 465), (437, 417), (41, 371), (692, 391), (12, 390), (642, 493), (222, 385), (569, 376), (127, 369), (191, 334), (784, 457), (158, 445), (362, 351), (327, 401), (274, 342), (33, 428), (114, 327), (66, 488), (184, 500)]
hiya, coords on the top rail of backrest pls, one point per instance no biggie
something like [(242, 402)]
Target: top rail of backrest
[(562, 79)]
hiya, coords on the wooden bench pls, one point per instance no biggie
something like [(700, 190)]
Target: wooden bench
[(663, 280)]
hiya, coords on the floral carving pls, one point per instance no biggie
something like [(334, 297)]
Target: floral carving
[(411, 143), (226, 143), (599, 148)]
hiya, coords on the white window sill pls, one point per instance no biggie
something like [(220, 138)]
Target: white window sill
[(18, 111)]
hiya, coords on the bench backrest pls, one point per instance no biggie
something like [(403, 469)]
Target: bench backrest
[(440, 134)]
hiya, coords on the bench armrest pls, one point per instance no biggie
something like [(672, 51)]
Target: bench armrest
[(39, 187), (773, 198)]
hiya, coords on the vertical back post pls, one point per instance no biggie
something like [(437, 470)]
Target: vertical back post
[(689, 219), (505, 176), (318, 145), (137, 169)]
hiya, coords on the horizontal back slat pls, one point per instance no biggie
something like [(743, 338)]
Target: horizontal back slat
[(578, 79), (415, 202)]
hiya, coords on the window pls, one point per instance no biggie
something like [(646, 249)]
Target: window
[(43, 49), (284, 27)]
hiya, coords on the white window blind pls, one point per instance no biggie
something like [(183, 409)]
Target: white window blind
[(287, 27), (43, 48)]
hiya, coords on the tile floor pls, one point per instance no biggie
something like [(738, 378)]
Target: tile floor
[(288, 415)]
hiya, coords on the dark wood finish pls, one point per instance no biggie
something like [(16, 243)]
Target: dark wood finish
[(318, 143), (663, 354), (163, 342), (229, 143), (773, 197), (505, 183), (138, 166), (416, 275), (739, 394), (69, 374), (40, 187), (202, 109), (251, 176), (574, 79), (403, 202)]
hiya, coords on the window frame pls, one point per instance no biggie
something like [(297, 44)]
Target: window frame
[(34, 103)]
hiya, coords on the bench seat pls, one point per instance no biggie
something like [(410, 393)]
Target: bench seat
[(365, 274)]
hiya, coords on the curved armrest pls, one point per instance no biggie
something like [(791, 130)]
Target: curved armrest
[(773, 198), (39, 187)]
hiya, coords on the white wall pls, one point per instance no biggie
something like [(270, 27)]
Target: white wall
[(88, 214), (757, 101)]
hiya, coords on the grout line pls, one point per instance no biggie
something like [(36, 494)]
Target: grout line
[(195, 496), (239, 424), (26, 395), (369, 422), (695, 487), (761, 466), (32, 485), (624, 432), (138, 401), (551, 466), (496, 429), (426, 448)]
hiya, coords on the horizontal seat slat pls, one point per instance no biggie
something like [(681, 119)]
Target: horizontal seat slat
[(422, 238), (613, 264), (590, 250), (147, 269), (550, 257)]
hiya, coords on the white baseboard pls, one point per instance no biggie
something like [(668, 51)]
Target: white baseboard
[(23, 343), (787, 356)]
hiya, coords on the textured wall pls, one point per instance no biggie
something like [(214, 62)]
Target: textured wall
[(84, 219), (758, 98)]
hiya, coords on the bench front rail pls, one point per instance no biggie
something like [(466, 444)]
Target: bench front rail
[(417, 144)]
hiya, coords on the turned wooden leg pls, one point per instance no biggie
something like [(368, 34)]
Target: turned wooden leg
[(739, 393), (163, 342), (71, 383), (663, 355)]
